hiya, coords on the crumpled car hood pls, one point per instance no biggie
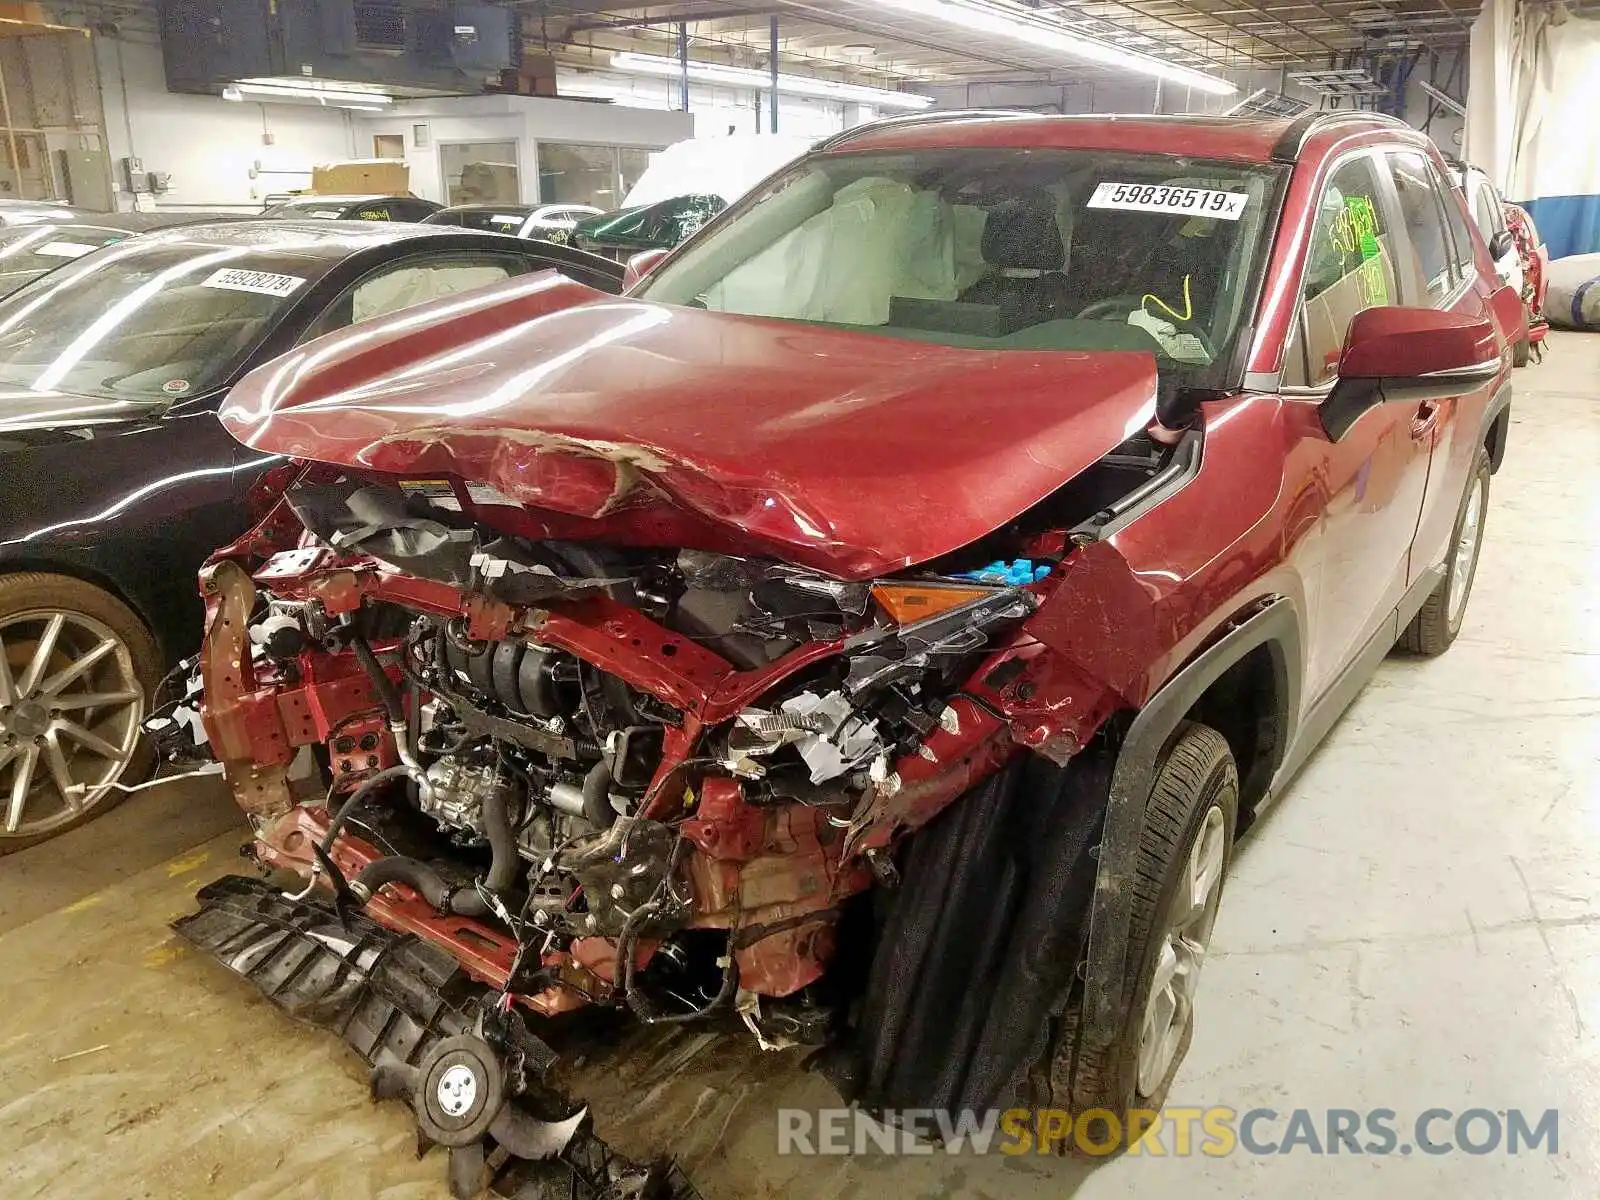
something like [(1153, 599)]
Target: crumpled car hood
[(846, 452)]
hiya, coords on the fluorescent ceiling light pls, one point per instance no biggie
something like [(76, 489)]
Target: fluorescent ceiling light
[(340, 95), (977, 17), (794, 85)]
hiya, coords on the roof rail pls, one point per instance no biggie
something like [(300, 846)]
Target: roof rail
[(912, 120), (1294, 139)]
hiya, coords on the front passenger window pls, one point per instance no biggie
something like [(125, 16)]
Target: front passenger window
[(413, 281), (1349, 268), (408, 285)]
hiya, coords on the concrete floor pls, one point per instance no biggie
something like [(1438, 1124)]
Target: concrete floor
[(1415, 925)]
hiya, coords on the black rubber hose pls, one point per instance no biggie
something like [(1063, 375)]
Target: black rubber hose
[(597, 797), (399, 869), (464, 902), (368, 786), (388, 694), (506, 864)]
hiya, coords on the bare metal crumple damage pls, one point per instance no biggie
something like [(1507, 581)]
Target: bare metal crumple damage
[(610, 650)]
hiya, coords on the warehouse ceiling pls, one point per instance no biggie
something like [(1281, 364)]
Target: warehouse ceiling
[(862, 41)]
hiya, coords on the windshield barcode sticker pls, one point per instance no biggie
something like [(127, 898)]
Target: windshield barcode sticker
[(266, 283), (1166, 198)]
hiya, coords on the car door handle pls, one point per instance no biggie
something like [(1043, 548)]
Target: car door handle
[(1426, 420)]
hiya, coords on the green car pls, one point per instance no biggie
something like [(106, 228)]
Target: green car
[(659, 226)]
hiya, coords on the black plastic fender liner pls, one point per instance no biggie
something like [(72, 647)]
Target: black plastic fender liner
[(1107, 982), (980, 942)]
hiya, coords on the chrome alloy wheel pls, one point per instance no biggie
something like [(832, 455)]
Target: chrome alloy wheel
[(70, 708), (1466, 559), (1169, 1009)]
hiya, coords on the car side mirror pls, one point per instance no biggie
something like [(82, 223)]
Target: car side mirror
[(1396, 354), (1501, 244), (640, 265)]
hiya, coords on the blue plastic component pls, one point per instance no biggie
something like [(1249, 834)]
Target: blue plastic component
[(1018, 573)]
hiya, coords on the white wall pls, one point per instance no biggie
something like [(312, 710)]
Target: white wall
[(210, 145), (526, 120)]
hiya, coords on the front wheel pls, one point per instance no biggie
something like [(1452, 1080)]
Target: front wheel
[(1177, 886), (76, 665), (1439, 619)]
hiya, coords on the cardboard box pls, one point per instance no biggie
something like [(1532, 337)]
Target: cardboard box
[(361, 177), (537, 76), (489, 183), (32, 13)]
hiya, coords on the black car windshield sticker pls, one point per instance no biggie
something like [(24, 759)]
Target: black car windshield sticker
[(1167, 198), (266, 283)]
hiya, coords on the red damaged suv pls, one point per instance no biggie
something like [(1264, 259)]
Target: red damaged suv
[(877, 626)]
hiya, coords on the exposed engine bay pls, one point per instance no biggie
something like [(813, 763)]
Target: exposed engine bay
[(642, 777), (638, 775)]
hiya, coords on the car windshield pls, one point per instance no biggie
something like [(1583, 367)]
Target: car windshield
[(495, 220), (327, 210), (996, 249), (134, 322), (29, 251)]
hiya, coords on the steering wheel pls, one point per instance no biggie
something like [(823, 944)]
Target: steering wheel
[(1112, 308), (1117, 308)]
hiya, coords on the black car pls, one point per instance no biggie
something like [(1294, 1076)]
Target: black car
[(117, 480), (659, 226), (547, 222), (29, 251), (353, 208), (34, 212)]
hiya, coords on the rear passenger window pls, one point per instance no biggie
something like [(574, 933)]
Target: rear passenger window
[(1435, 275), (1349, 268)]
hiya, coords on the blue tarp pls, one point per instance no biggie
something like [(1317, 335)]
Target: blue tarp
[(1568, 224)]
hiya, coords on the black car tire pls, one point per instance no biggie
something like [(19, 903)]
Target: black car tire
[(1520, 353), (1196, 776), (1439, 620), (30, 591)]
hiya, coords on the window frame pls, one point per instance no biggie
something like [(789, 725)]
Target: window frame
[(1461, 277), (1485, 196), (616, 149), (517, 148), (315, 328), (1389, 205)]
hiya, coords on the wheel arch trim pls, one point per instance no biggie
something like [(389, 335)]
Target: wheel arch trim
[(1276, 626), (1497, 425)]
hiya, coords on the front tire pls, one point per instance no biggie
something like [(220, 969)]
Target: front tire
[(1184, 853), (1439, 620), (76, 668)]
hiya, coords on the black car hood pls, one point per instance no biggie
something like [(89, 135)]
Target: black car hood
[(33, 419)]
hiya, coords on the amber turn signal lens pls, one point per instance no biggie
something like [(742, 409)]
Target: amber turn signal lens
[(907, 603)]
